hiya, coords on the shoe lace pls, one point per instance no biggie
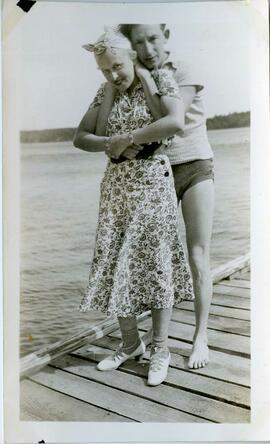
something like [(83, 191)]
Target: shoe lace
[(157, 358), (118, 354)]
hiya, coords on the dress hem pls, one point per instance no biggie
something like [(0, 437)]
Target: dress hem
[(137, 312)]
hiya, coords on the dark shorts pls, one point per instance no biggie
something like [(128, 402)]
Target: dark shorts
[(188, 174)]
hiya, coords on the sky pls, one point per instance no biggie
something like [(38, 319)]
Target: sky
[(58, 79)]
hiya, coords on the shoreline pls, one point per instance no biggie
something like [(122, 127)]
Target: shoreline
[(230, 121)]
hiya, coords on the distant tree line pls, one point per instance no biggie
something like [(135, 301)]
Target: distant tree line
[(233, 120), (48, 135)]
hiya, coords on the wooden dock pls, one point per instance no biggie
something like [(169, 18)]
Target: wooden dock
[(70, 388)]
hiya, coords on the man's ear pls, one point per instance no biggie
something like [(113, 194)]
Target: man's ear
[(166, 34)]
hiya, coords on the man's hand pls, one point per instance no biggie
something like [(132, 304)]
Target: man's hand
[(132, 151), (117, 145)]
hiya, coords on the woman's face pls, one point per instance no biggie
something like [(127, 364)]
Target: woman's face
[(117, 68)]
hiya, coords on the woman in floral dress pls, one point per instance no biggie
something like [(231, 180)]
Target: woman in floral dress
[(139, 262)]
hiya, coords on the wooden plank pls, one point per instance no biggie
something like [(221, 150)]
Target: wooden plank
[(39, 403), (225, 367), (244, 273), (232, 291), (109, 398), (191, 403), (236, 283), (227, 342), (230, 267), (231, 301), (180, 378), (220, 323), (244, 276), (35, 361), (233, 313)]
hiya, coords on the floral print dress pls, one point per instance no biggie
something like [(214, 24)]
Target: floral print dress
[(139, 261)]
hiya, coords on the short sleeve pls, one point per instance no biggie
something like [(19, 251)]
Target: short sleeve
[(187, 75), (165, 83), (98, 97)]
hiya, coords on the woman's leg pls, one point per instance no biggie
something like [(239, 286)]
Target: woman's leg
[(160, 355), (131, 347), (130, 335), (198, 208), (161, 318)]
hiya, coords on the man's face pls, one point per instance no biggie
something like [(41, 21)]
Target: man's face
[(148, 41)]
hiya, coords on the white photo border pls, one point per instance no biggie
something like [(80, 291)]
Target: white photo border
[(17, 431)]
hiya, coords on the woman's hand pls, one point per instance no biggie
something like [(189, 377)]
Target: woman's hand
[(105, 109), (141, 71), (109, 91)]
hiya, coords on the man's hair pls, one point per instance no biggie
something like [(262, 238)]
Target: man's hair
[(126, 29)]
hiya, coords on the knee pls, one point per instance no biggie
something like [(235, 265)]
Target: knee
[(199, 262)]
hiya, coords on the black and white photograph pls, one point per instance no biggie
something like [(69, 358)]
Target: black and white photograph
[(131, 262)]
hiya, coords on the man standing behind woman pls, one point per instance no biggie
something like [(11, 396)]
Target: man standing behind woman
[(191, 156), (139, 262)]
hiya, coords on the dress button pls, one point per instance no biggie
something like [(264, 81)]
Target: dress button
[(166, 174), (148, 182), (162, 162)]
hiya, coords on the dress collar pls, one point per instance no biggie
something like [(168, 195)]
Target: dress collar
[(136, 88)]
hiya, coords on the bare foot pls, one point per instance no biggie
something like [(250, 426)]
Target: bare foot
[(200, 354)]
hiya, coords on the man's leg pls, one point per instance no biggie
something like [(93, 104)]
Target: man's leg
[(198, 208)]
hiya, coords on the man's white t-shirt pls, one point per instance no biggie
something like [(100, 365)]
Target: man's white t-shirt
[(192, 143)]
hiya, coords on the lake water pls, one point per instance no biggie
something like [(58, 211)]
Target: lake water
[(59, 204)]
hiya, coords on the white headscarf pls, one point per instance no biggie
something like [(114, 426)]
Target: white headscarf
[(111, 40)]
